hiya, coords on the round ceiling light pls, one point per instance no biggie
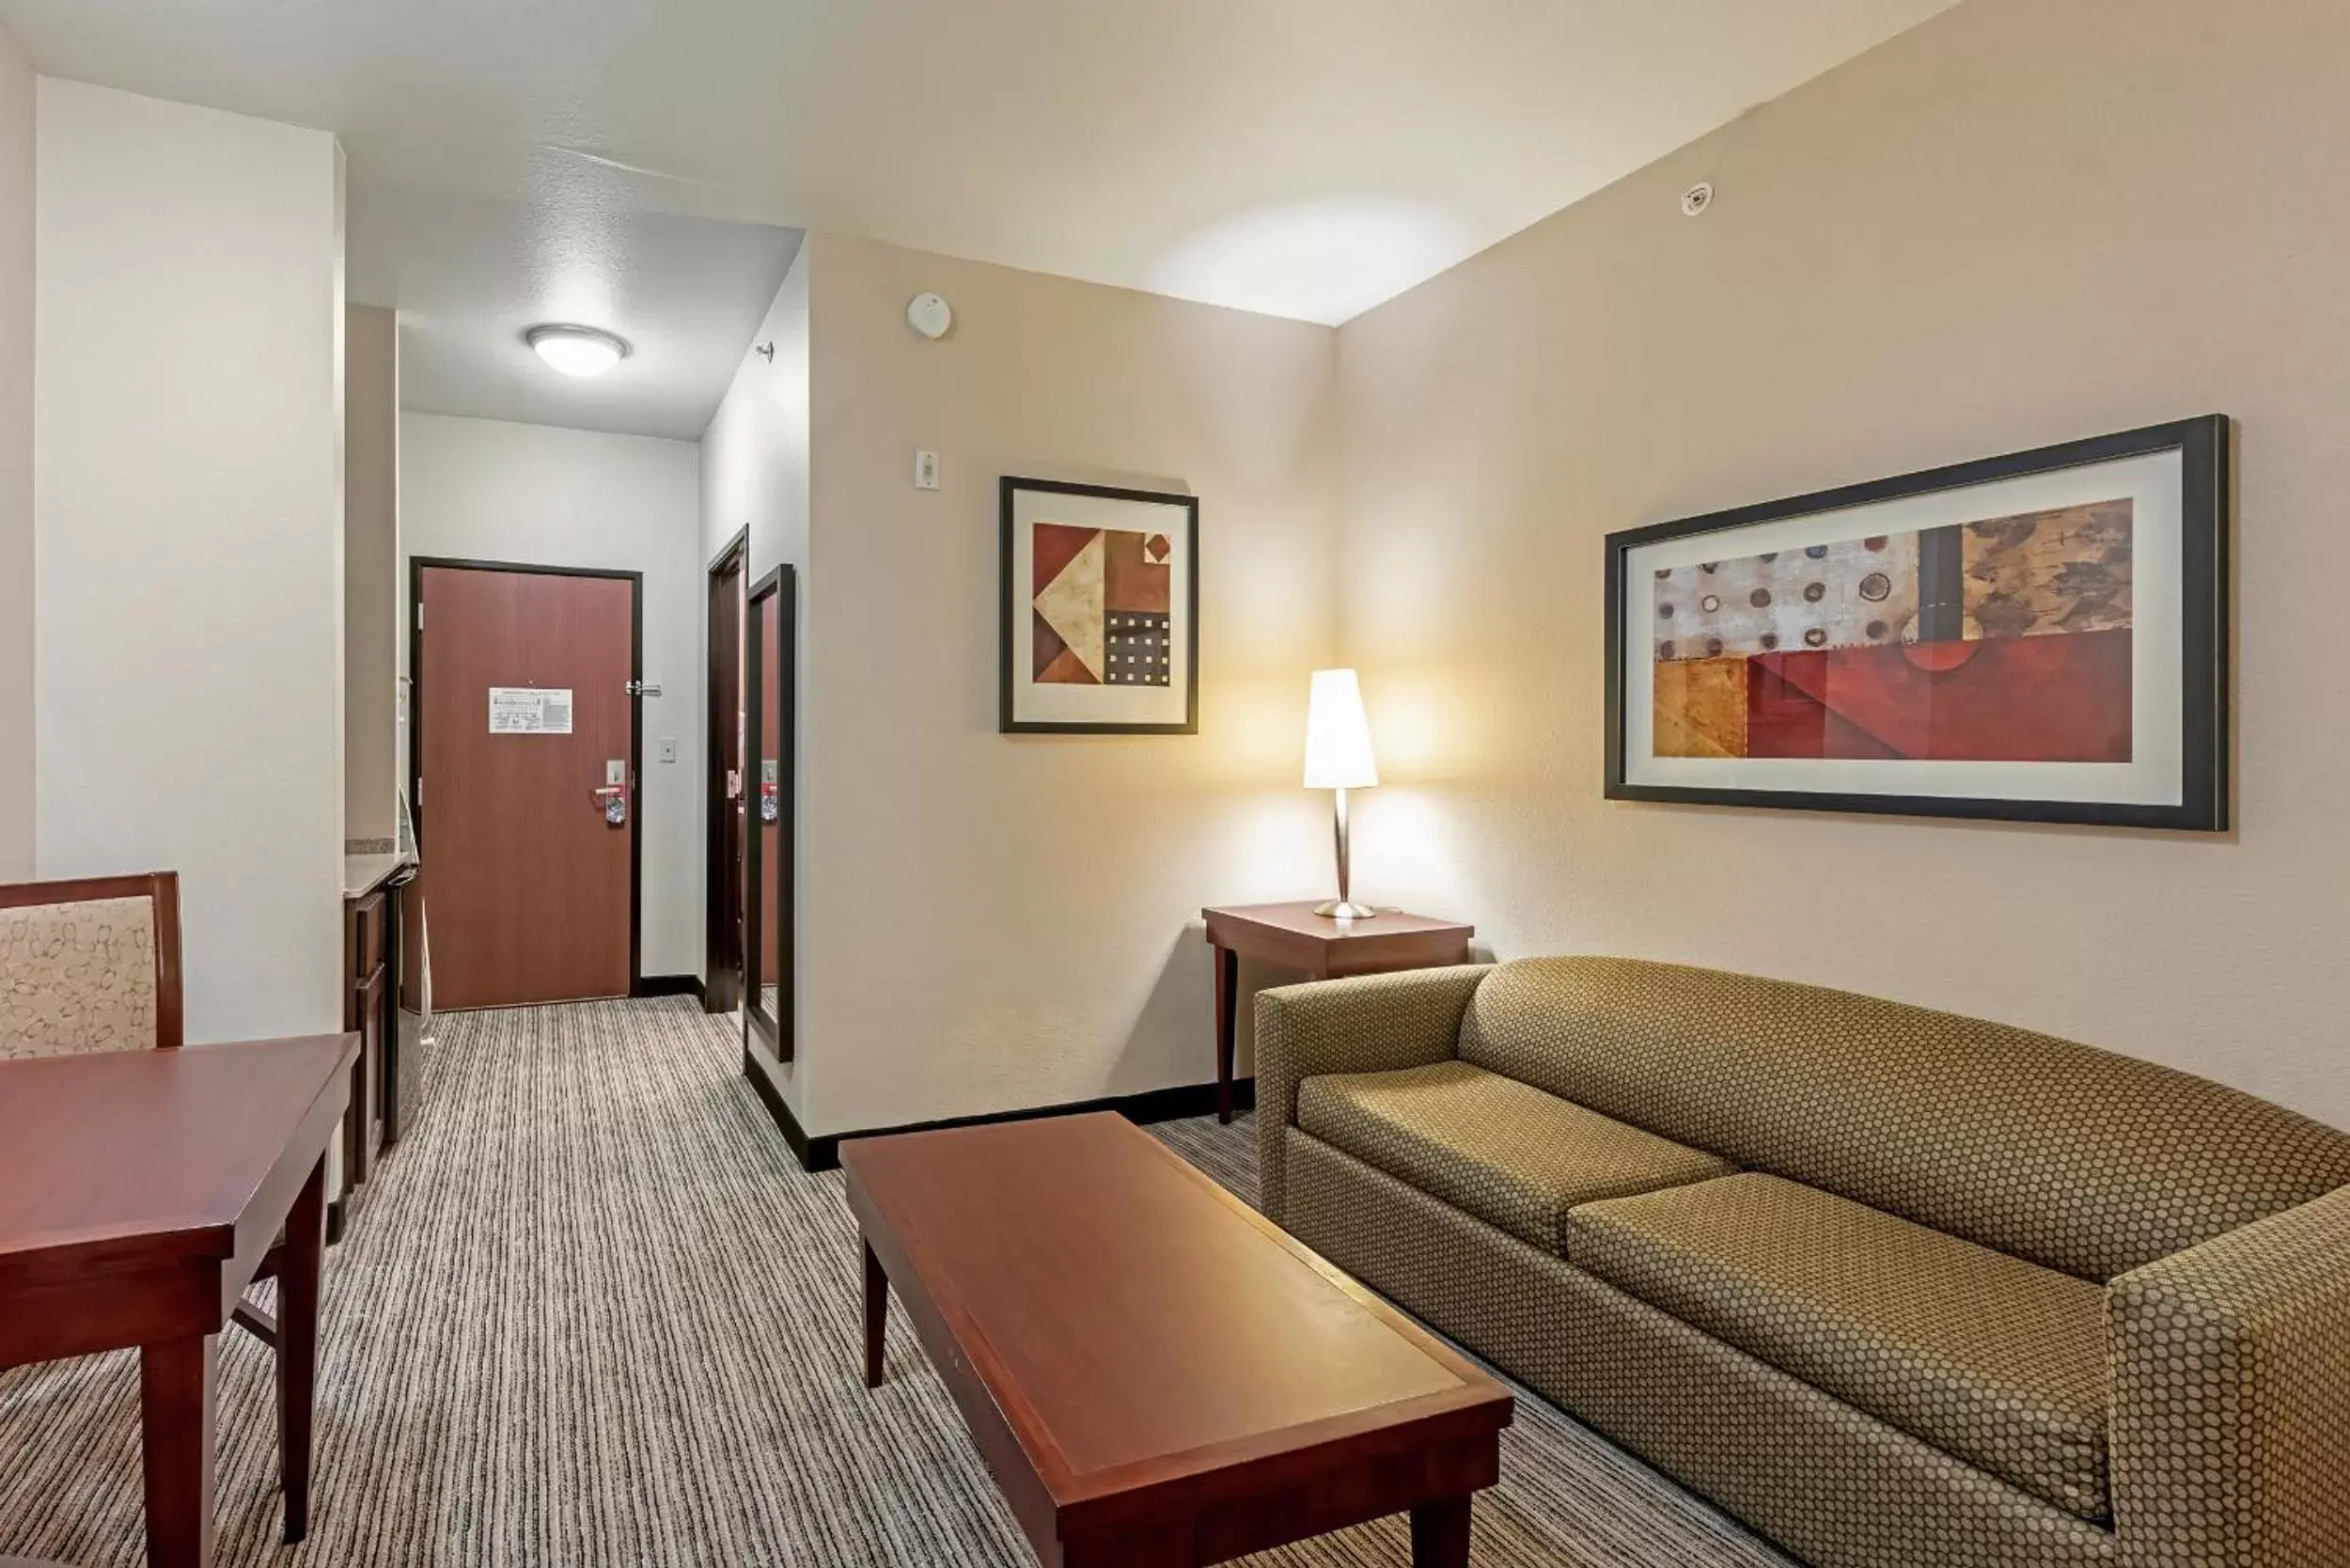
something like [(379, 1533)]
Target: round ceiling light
[(577, 351)]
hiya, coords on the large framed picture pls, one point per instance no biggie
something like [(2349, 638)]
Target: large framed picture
[(1101, 610), (2038, 637)]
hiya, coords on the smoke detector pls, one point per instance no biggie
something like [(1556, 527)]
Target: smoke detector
[(1697, 198)]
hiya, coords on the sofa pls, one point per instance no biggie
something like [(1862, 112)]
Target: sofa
[(1895, 1287)]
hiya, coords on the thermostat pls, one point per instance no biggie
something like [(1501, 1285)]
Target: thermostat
[(929, 315)]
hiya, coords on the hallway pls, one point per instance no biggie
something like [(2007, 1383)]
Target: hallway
[(592, 1312)]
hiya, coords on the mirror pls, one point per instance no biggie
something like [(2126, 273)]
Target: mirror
[(769, 725)]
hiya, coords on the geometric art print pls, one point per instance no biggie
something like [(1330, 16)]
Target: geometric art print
[(2040, 635), (1101, 607), (2004, 640)]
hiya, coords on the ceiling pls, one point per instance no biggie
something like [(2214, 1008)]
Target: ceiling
[(1307, 157), (470, 272)]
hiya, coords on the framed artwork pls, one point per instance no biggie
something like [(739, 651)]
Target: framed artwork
[(2038, 637), (1101, 610)]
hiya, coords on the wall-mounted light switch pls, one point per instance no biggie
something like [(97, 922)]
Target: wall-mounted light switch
[(668, 748), (926, 470)]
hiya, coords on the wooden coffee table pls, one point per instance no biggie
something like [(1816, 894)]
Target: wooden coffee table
[(1157, 1376)]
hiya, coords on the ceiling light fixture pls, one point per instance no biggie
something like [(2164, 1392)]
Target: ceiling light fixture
[(577, 351)]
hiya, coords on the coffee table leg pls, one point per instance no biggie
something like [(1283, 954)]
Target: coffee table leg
[(298, 1346), (876, 1318), (175, 1436), (1226, 1003), (1440, 1534)]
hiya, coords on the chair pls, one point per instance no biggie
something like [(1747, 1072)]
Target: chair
[(93, 965), (89, 966)]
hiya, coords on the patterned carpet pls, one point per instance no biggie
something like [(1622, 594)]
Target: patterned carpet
[(592, 1313)]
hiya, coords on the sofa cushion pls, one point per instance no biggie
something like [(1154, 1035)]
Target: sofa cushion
[(2088, 1161), (1514, 1156), (1990, 1359)]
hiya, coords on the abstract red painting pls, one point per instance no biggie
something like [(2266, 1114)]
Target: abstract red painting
[(2039, 637)]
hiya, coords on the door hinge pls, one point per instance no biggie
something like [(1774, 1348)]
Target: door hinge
[(420, 615), (644, 688), (420, 791)]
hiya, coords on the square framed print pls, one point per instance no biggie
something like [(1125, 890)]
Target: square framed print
[(2036, 637), (1101, 610)]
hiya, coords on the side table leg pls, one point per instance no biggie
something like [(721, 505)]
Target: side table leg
[(1440, 1534), (1226, 1006), (876, 1317)]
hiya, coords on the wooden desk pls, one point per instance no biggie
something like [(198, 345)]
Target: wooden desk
[(1293, 936), (1157, 1376), (138, 1192)]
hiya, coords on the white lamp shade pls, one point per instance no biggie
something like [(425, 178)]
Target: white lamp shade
[(1338, 740)]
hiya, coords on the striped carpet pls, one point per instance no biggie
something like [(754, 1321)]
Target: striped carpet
[(592, 1313)]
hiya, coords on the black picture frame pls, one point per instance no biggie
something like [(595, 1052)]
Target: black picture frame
[(1010, 600), (2206, 523)]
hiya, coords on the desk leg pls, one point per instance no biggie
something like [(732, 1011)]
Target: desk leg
[(1227, 1005), (298, 1346), (1440, 1534), (876, 1318), (176, 1434)]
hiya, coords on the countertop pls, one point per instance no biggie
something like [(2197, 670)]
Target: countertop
[(364, 874)]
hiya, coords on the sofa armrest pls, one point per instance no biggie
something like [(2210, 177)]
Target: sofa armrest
[(2230, 1420), (1372, 1024)]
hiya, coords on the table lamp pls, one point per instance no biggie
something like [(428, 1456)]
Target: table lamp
[(1338, 757)]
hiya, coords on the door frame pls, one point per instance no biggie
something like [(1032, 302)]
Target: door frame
[(420, 809), (783, 585), (734, 556)]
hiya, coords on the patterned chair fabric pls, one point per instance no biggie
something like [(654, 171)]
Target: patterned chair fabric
[(1512, 1155), (2072, 1157), (1995, 1360), (1830, 1343), (77, 976)]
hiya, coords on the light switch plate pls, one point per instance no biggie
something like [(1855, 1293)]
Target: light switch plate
[(668, 748), (925, 470)]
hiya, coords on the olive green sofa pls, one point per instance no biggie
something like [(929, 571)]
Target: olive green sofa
[(1896, 1288)]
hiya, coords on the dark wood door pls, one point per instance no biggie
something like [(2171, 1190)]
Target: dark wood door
[(722, 966), (531, 888)]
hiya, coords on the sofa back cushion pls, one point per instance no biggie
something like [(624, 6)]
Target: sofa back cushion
[(2070, 1157)]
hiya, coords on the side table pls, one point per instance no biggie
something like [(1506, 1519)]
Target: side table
[(1294, 936)]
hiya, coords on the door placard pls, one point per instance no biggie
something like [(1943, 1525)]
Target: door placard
[(530, 711)]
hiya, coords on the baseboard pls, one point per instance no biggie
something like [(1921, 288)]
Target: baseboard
[(666, 985), (1157, 1105), (771, 1095)]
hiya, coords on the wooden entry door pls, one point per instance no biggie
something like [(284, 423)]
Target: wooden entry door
[(525, 717)]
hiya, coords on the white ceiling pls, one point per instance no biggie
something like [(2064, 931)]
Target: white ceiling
[(1307, 158), (470, 274)]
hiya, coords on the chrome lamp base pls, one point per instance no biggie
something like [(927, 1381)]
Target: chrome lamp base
[(1343, 907)]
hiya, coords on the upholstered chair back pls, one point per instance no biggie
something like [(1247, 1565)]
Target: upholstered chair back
[(2074, 1157), (89, 966)]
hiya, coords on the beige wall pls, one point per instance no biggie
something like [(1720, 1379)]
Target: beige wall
[(371, 570), (997, 921), (755, 476), (16, 464), (2018, 224), (190, 519)]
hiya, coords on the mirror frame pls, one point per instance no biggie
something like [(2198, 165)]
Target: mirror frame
[(782, 586)]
